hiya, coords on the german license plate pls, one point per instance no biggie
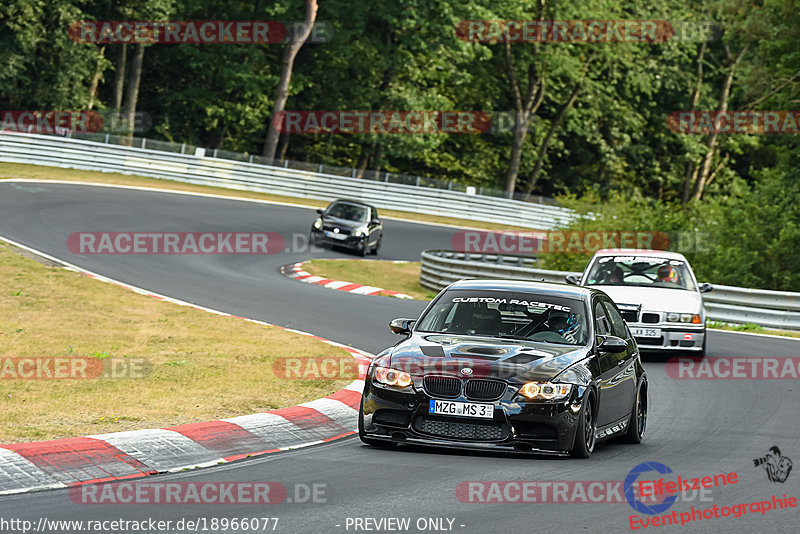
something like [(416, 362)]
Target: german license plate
[(646, 332), (334, 235), (461, 409)]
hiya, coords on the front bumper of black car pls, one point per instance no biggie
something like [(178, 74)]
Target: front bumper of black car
[(349, 241), (545, 427)]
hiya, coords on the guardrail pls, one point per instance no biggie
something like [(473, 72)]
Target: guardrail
[(198, 169), (772, 309)]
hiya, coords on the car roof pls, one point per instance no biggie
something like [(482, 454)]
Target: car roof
[(348, 201), (539, 288), (666, 254)]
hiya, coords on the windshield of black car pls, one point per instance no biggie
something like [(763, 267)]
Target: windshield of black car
[(641, 271), (514, 315), (348, 212)]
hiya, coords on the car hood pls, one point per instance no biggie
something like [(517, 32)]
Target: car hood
[(448, 354), (655, 298)]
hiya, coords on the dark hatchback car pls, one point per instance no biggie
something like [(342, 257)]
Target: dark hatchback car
[(350, 224), (508, 366)]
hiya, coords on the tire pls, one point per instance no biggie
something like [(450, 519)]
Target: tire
[(586, 433), (637, 424), (368, 441), (377, 246), (312, 239)]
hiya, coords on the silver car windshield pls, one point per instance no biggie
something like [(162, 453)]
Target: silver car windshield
[(524, 316), (641, 271)]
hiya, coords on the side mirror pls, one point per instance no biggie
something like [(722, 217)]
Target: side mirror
[(573, 279), (613, 344), (320, 211), (401, 326), (375, 221), (705, 288)]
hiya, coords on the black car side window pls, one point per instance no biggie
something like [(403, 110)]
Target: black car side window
[(601, 324), (617, 324)]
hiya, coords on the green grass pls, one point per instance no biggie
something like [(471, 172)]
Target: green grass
[(751, 327), (402, 277), (195, 366)]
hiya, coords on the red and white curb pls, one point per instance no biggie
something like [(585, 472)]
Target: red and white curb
[(296, 271), (121, 455)]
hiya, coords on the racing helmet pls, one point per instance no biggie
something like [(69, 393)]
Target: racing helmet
[(567, 325), (668, 273)]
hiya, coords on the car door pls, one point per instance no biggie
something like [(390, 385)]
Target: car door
[(625, 381), (606, 411)]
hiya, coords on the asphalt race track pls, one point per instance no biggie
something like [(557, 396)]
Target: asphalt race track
[(696, 427)]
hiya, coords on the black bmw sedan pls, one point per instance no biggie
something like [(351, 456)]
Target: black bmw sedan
[(508, 366), (349, 224)]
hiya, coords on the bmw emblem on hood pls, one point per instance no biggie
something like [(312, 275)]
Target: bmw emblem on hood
[(466, 371)]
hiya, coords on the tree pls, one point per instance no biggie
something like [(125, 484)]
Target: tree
[(287, 64)]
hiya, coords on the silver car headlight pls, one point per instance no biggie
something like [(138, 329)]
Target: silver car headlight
[(693, 318), (318, 224), (361, 231)]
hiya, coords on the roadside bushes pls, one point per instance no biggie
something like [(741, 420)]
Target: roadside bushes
[(747, 238)]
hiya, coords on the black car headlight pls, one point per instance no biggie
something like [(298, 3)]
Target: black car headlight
[(545, 391), (391, 377)]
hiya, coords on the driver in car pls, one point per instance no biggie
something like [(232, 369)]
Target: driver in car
[(667, 273), (612, 274)]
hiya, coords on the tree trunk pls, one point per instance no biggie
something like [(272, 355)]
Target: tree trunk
[(282, 91), (691, 170), (98, 73), (361, 165), (377, 156), (132, 96), (525, 109), (553, 127), (119, 78), (711, 145), (283, 148)]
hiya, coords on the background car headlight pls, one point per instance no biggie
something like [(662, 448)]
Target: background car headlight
[(392, 377), (545, 390), (361, 231), (684, 318), (318, 224)]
